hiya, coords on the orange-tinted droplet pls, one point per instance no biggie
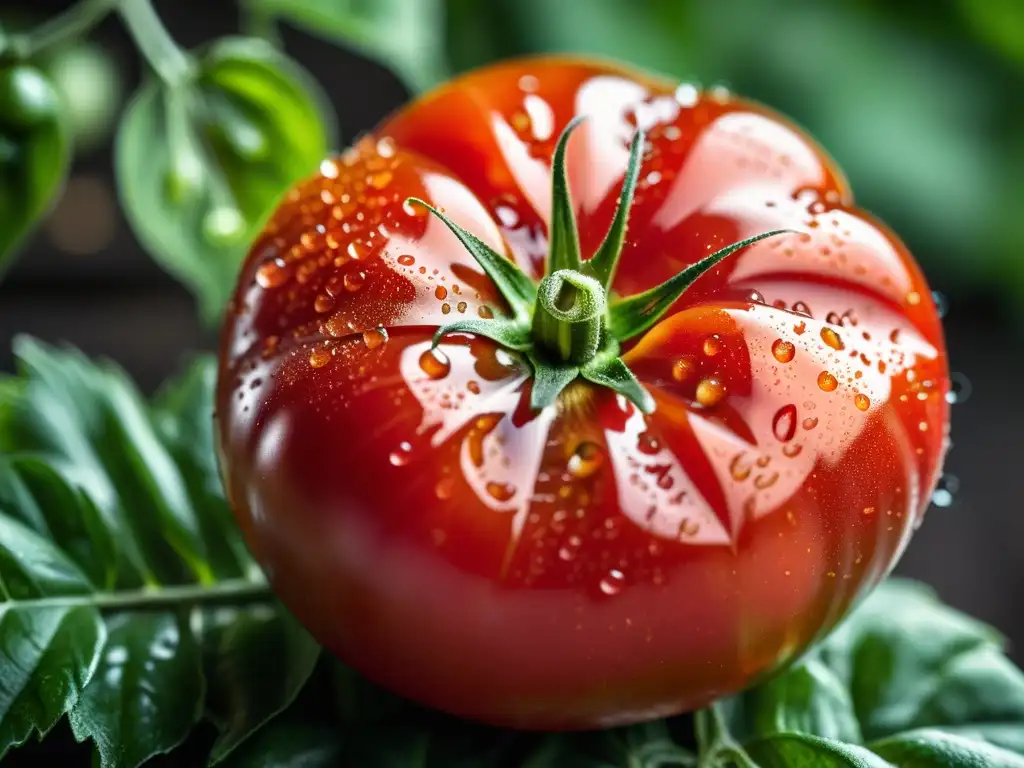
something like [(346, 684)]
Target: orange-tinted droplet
[(784, 351), (446, 308), (913, 298), (380, 180), (354, 280), (273, 274), (358, 250), (784, 423), (710, 392), (440, 293), (712, 345), (862, 402), (443, 489), (739, 468), (501, 491), (800, 328), (810, 423), (376, 337), (831, 338), (485, 312), (827, 382), (435, 364), (801, 308), (473, 386), (648, 443), (319, 357), (585, 460), (401, 455), (323, 303), (683, 369), (613, 582), (406, 260)]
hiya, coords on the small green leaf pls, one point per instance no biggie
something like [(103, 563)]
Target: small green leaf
[(287, 742), (548, 382), (790, 750), (147, 691), (516, 287), (199, 166), (509, 333), (603, 263), (408, 38), (615, 374), (34, 153), (635, 314), (245, 691), (564, 248), (935, 749)]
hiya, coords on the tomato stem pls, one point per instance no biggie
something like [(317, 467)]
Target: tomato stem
[(569, 317)]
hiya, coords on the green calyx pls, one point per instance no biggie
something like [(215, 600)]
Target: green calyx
[(567, 325)]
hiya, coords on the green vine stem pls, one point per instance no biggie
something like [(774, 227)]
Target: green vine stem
[(74, 23), (170, 62), (232, 592)]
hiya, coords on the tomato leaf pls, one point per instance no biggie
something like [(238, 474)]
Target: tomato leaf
[(289, 743), (408, 38), (615, 374), (564, 250), (602, 264), (928, 748), (245, 691), (200, 165), (147, 692), (786, 750)]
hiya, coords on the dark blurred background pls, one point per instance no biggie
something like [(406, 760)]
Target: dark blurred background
[(920, 101)]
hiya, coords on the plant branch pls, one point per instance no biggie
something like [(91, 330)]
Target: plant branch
[(231, 592), (74, 23), (170, 62)]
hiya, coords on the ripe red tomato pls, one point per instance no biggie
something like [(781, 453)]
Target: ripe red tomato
[(584, 563)]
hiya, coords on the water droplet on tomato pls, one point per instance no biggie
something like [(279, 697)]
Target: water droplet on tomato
[(585, 460), (354, 280), (440, 293), (648, 443), (687, 528), (683, 369), (443, 489), (435, 364), (784, 351), (446, 308), (319, 357), (792, 450), (613, 582), (913, 298), (784, 423), (710, 392), (413, 209), (273, 274), (406, 260), (801, 309), (831, 338), (461, 306), (376, 337), (810, 423), (827, 382), (755, 297), (380, 180), (485, 312), (738, 468), (401, 455), (473, 386), (862, 401), (501, 491), (800, 328), (712, 345), (323, 303)]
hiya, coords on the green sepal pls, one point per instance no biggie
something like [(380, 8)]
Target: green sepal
[(514, 285), (564, 238), (635, 314), (549, 381), (604, 261), (611, 372), (509, 333)]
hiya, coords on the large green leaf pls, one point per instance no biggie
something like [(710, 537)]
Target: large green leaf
[(258, 660), (147, 692), (201, 164), (290, 743)]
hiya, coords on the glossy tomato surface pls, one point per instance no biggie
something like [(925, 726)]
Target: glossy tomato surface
[(587, 564)]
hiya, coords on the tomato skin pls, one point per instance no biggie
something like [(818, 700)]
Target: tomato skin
[(586, 565)]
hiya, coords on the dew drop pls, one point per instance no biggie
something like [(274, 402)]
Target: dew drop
[(784, 423), (739, 469), (831, 338), (413, 209), (446, 308), (354, 281), (792, 450), (755, 297), (406, 260), (501, 491), (959, 389), (800, 328), (443, 489), (946, 490), (380, 180), (810, 423), (358, 250), (687, 528), (435, 364), (461, 306), (473, 386), (683, 369), (827, 382), (710, 392), (712, 345), (401, 455), (319, 357), (913, 298), (375, 338), (323, 303), (273, 274), (485, 312), (613, 582), (440, 293), (861, 401), (941, 303), (802, 309), (784, 351), (585, 460), (648, 443)]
